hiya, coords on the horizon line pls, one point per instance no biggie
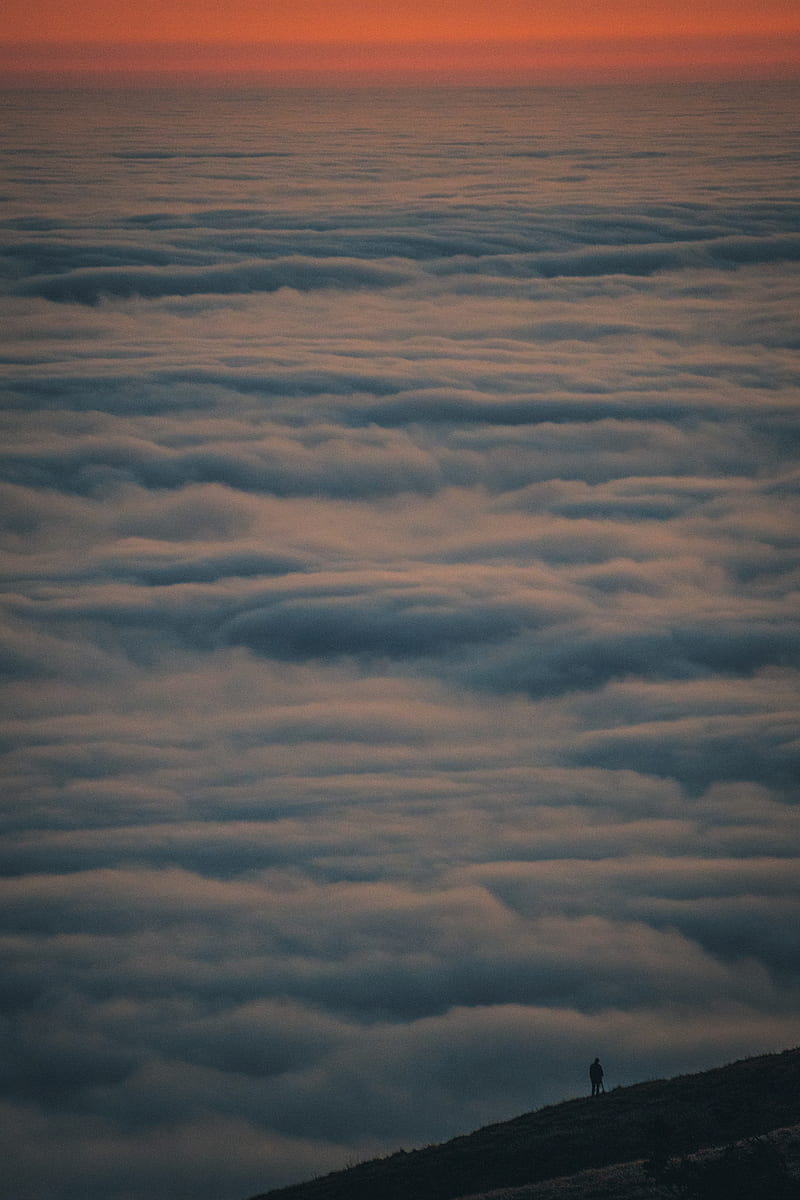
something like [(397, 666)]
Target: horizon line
[(515, 63)]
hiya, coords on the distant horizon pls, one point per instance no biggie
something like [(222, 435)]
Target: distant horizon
[(491, 63), (436, 40)]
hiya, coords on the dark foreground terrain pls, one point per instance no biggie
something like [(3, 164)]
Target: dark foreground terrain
[(658, 1122)]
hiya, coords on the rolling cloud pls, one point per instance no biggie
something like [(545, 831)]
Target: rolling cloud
[(400, 646)]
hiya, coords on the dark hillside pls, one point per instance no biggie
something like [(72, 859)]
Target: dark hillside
[(678, 1115)]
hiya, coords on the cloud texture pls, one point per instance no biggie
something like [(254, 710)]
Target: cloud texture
[(399, 625)]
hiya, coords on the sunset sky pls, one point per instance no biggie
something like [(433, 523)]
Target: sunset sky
[(458, 39), (399, 563)]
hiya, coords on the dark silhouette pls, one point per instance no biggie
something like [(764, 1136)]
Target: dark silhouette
[(672, 1118), (596, 1077), (736, 1172)]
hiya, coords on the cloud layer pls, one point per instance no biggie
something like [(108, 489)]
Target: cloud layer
[(399, 624)]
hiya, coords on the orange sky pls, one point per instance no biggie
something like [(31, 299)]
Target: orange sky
[(418, 36)]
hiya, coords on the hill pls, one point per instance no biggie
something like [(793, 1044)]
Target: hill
[(634, 1181), (644, 1121)]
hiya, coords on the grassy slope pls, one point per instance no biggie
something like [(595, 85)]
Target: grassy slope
[(629, 1181), (743, 1099)]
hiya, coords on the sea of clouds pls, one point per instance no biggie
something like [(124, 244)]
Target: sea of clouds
[(400, 621)]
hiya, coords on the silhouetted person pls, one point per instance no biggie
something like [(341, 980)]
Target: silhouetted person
[(596, 1077)]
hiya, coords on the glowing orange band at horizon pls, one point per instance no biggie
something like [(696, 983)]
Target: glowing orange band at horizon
[(437, 39), (370, 21)]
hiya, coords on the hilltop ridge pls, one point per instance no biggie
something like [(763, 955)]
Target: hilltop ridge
[(744, 1099)]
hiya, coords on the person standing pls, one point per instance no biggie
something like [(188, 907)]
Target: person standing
[(596, 1078)]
